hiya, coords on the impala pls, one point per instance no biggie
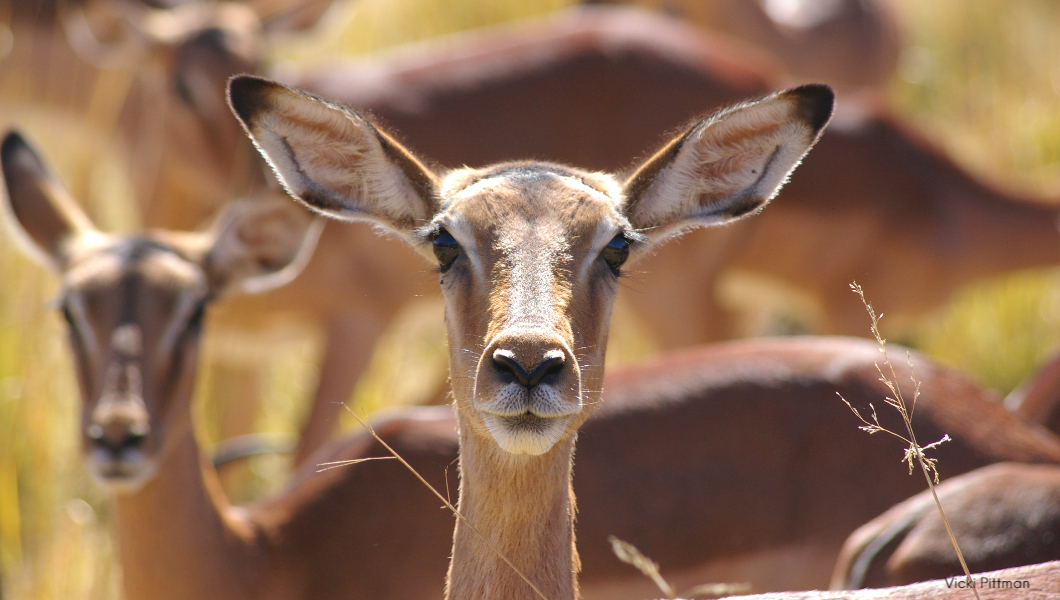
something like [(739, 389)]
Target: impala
[(371, 531), (1004, 515), (1037, 398), (851, 44)]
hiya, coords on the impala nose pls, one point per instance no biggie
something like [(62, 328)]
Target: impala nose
[(116, 437), (546, 369)]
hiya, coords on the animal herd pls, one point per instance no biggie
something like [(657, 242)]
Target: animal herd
[(728, 461)]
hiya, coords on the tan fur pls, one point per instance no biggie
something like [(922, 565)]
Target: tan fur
[(515, 235)]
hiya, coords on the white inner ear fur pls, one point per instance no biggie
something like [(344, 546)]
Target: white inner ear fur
[(323, 153), (746, 153)]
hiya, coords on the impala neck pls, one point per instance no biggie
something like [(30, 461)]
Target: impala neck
[(173, 538), (524, 506)]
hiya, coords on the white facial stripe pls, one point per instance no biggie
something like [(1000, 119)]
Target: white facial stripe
[(606, 230), (76, 305), (462, 232), (189, 300)]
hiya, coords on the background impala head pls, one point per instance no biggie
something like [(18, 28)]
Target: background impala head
[(529, 253), (134, 304)]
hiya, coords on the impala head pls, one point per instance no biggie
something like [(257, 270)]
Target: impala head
[(529, 254), (134, 304)]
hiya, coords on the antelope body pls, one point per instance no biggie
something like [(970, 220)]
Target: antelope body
[(1004, 515)]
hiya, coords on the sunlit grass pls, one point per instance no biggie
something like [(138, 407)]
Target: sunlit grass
[(981, 77)]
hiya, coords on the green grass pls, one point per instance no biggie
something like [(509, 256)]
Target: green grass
[(982, 77)]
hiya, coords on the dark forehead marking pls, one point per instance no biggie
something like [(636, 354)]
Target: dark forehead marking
[(136, 249), (132, 252)]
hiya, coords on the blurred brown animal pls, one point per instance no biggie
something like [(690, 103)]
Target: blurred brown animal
[(1037, 398), (850, 44), (1004, 515), (747, 425)]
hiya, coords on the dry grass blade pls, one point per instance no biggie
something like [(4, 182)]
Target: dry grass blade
[(914, 453), (345, 463), (629, 554), (446, 502)]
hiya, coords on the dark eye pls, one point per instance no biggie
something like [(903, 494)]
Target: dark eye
[(196, 317), (67, 315), (616, 252), (445, 249)]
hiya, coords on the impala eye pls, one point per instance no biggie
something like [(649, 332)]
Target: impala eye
[(197, 315), (68, 315), (445, 249), (616, 252)]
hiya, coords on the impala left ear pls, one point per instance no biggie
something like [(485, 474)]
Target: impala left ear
[(260, 243), (729, 165)]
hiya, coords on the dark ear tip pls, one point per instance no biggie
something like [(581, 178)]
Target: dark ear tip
[(815, 103), (247, 94), (13, 143)]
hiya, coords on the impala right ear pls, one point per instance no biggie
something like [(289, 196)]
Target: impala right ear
[(332, 159), (38, 209)]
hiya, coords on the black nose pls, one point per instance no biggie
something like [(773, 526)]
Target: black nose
[(118, 439), (506, 363)]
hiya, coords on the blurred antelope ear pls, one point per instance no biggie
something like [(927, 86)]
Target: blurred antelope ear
[(260, 243), (332, 159), (729, 165), (38, 209), (291, 16)]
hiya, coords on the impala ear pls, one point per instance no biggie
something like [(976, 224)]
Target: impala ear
[(260, 243), (332, 159), (291, 16), (729, 165), (38, 209)]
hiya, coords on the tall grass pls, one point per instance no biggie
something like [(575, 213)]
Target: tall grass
[(982, 77)]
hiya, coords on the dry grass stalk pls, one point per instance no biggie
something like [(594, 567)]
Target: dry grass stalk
[(629, 554), (445, 501), (345, 463), (914, 453)]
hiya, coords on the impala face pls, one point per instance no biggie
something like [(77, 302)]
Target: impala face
[(134, 308), (134, 305), (520, 248), (529, 253)]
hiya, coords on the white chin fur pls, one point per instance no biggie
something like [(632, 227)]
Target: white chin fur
[(517, 436), (121, 477)]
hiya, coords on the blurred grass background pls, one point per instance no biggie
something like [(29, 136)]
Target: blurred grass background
[(981, 77)]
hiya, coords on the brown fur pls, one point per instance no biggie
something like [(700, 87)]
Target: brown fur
[(1003, 516), (1037, 398), (853, 46)]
